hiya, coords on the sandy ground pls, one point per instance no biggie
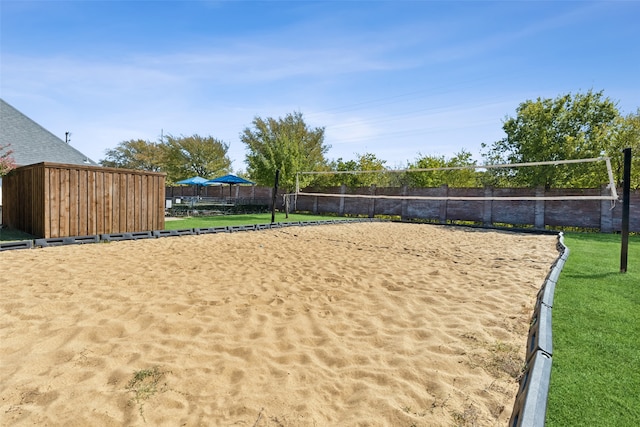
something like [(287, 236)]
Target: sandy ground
[(367, 324)]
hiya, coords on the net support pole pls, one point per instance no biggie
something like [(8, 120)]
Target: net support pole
[(626, 202), (275, 195)]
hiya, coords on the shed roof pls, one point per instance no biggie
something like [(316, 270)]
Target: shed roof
[(31, 143)]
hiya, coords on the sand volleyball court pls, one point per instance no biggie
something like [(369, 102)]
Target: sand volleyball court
[(363, 324)]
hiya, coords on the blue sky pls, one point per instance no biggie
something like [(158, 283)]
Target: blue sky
[(398, 79)]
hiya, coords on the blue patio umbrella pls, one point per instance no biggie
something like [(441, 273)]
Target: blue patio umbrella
[(194, 180), (198, 181), (229, 179)]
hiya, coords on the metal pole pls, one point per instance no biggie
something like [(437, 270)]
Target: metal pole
[(275, 195), (626, 194)]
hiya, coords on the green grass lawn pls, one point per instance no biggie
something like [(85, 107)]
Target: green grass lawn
[(225, 220), (595, 377)]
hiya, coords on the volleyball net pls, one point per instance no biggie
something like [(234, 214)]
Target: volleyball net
[(576, 173)]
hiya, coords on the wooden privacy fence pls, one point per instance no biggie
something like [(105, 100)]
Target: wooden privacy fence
[(593, 214), (59, 200)]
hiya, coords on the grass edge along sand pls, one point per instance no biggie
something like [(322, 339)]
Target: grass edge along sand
[(595, 378), (244, 219)]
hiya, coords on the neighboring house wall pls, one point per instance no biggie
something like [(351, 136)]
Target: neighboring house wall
[(30, 143)]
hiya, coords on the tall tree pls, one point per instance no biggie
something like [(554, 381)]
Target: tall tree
[(135, 154), (436, 178), (287, 144), (626, 134), (363, 162), (195, 155), (567, 127)]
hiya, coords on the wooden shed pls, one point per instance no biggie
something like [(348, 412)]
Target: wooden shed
[(60, 200)]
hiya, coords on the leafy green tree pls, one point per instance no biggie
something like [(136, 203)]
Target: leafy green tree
[(567, 127), (135, 154), (453, 178), (626, 134), (285, 144), (363, 162), (179, 157), (189, 156)]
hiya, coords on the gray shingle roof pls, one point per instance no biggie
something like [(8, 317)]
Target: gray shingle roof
[(31, 143)]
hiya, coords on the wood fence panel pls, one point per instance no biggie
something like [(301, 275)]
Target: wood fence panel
[(91, 204), (65, 200), (57, 200), (108, 202), (100, 201), (83, 200), (26, 212), (122, 202), (8, 192), (131, 200), (144, 202), (151, 199), (41, 188), (54, 202), (73, 203), (137, 184), (115, 212), (158, 202), (22, 214)]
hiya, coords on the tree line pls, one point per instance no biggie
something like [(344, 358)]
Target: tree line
[(571, 126)]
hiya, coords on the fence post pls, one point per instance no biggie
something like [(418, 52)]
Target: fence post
[(444, 190), (404, 204), (372, 202), (487, 213), (343, 190), (539, 209)]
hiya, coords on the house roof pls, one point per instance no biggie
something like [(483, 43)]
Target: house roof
[(31, 143)]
